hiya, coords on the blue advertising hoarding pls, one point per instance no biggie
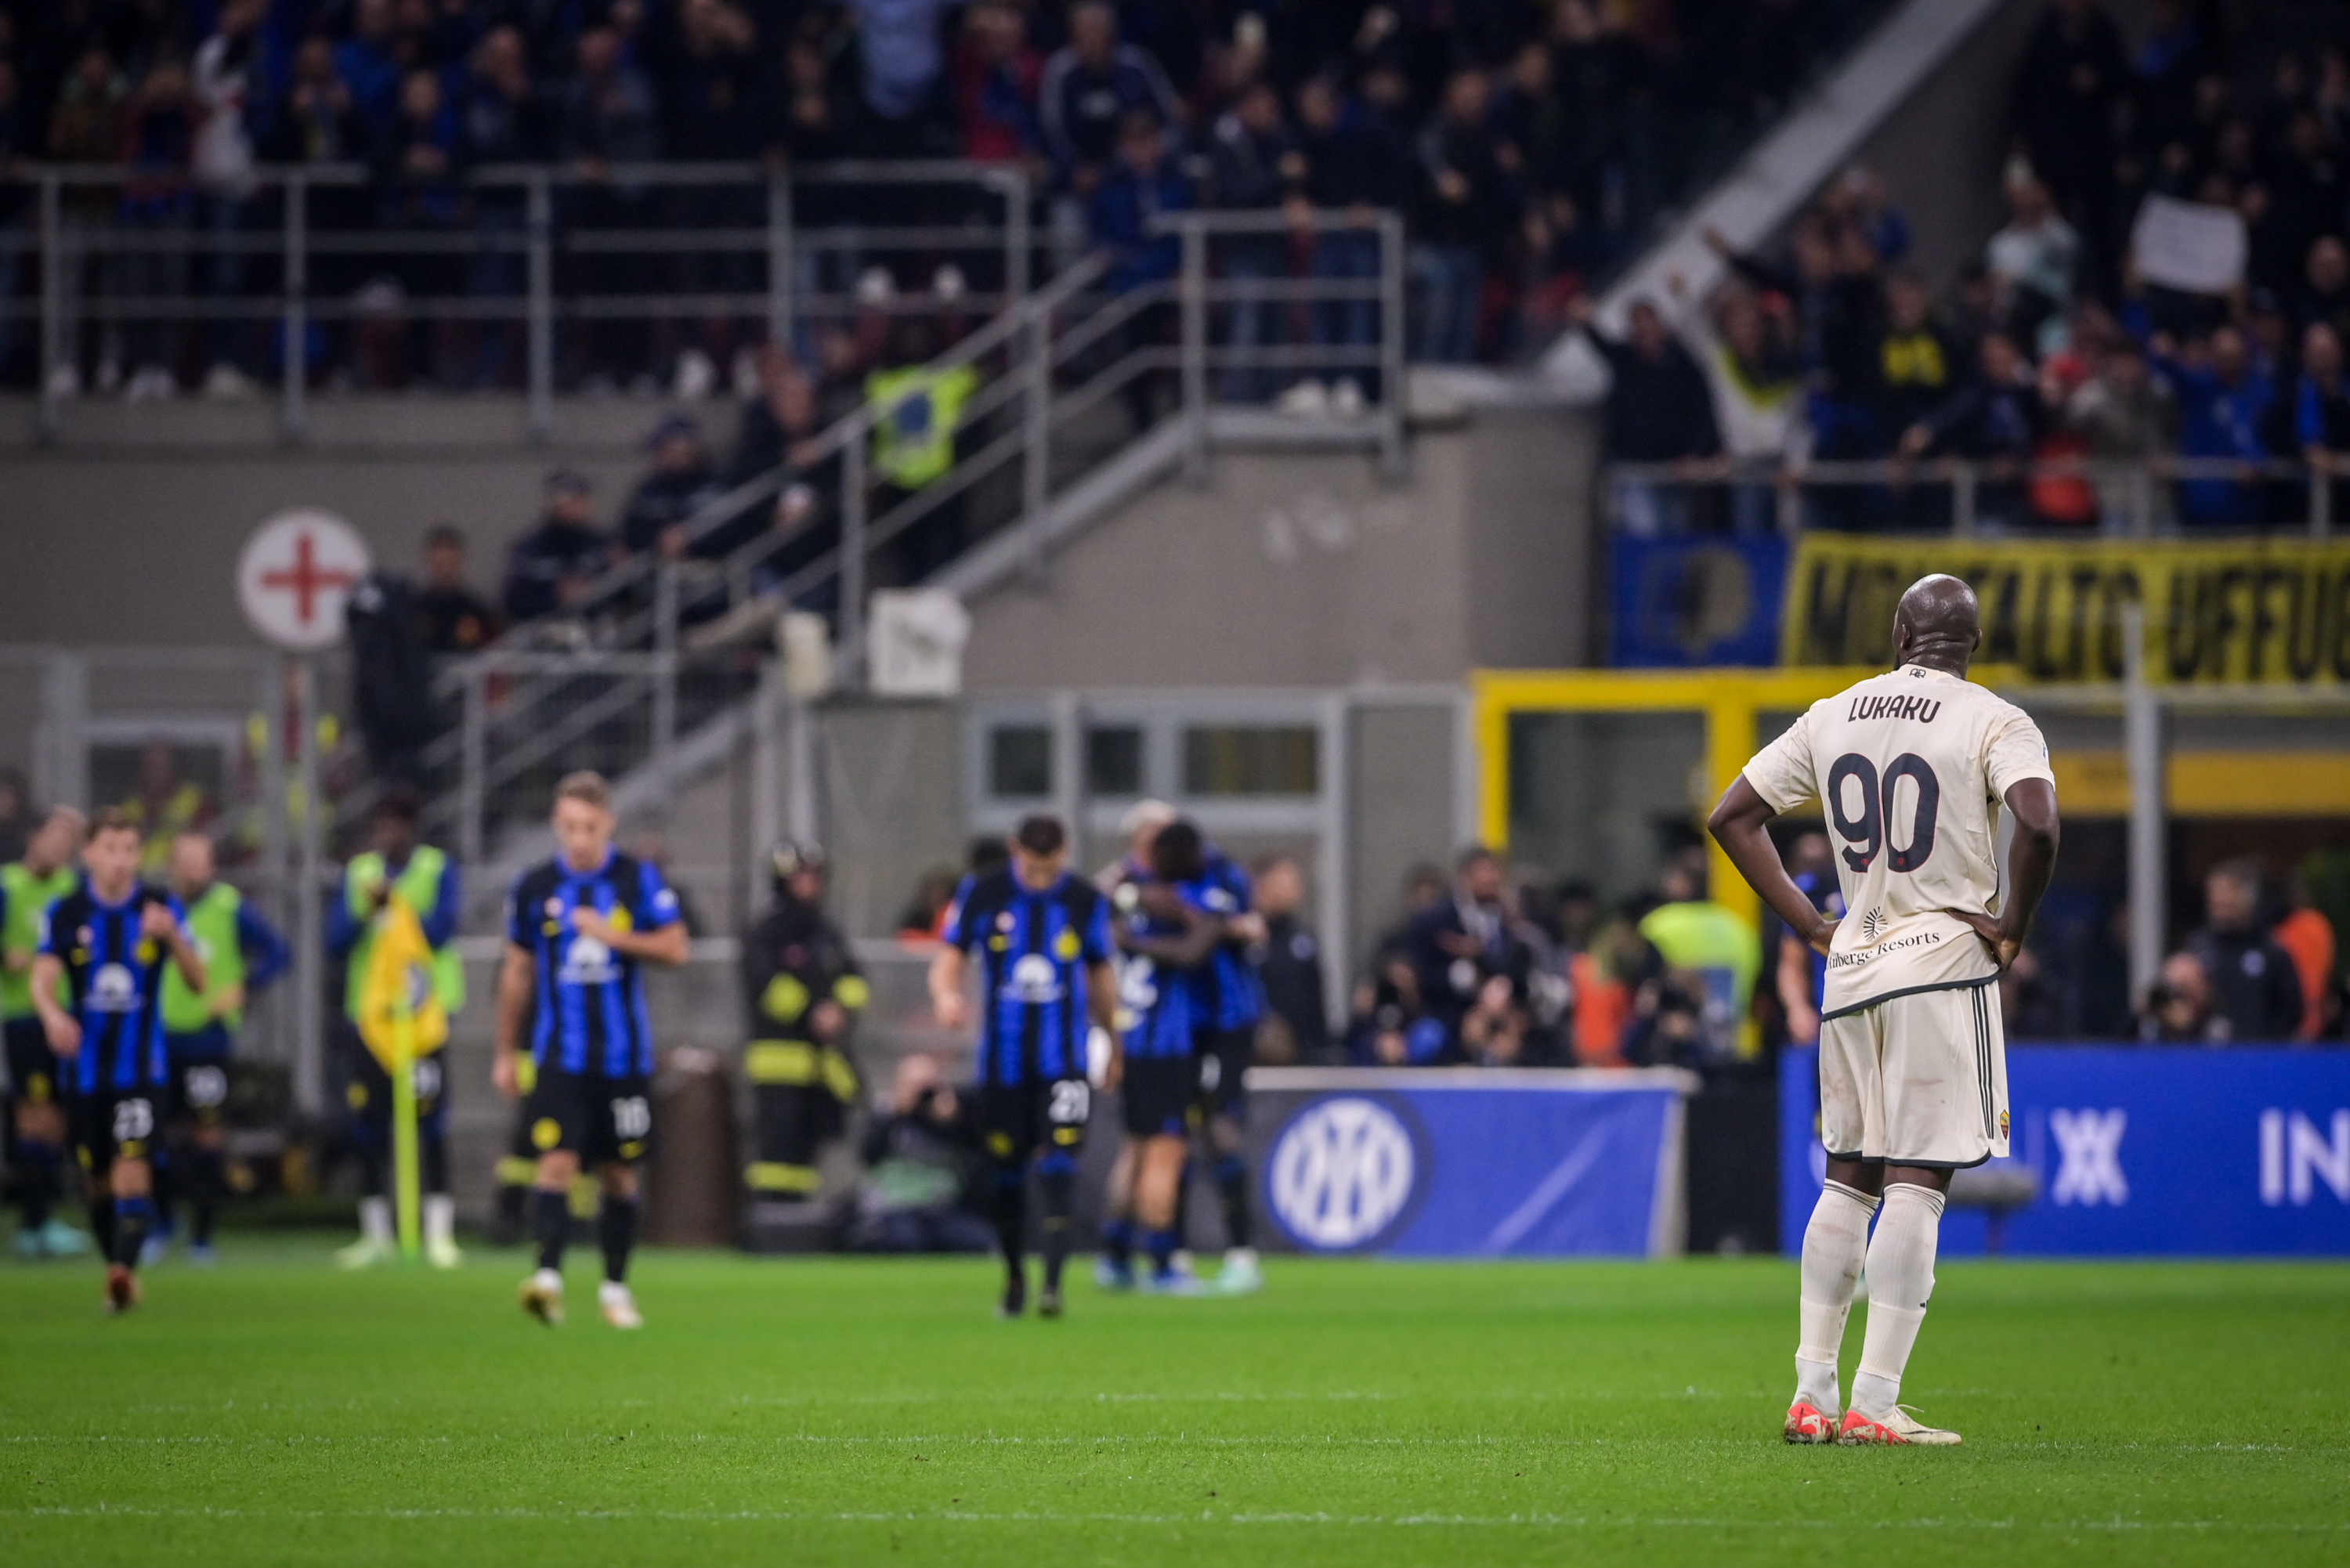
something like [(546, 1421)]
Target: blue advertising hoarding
[(2139, 1150), (1685, 604), (1470, 1162)]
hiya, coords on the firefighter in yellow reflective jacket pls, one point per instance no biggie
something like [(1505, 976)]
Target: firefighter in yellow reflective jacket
[(803, 993)]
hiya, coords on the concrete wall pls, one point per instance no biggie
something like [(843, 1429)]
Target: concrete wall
[(1294, 569), (890, 783), (1401, 811), (144, 508)]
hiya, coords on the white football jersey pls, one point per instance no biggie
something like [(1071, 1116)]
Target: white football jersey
[(1909, 767)]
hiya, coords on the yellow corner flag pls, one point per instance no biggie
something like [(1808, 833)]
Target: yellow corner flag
[(400, 1018)]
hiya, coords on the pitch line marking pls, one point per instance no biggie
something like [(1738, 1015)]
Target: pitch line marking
[(1205, 1516)]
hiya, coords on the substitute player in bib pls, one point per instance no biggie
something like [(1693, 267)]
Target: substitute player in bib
[(37, 1106), (1912, 767), (242, 953), (579, 930), (1046, 985), (109, 940), (425, 877)]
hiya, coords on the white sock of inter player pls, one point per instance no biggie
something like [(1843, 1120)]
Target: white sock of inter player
[(440, 1219), (375, 1221), (1834, 1244), (1900, 1279)]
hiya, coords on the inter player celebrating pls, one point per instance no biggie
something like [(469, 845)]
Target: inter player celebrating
[(578, 930), (1226, 1003), (1912, 767), (1162, 937), (1044, 939), (36, 1103), (109, 940)]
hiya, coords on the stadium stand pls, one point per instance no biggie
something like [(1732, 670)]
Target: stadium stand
[(2096, 328), (1528, 150)]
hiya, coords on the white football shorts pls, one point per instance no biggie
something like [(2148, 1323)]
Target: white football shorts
[(1918, 1079)]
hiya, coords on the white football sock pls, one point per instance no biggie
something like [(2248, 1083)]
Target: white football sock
[(1900, 1279), (1834, 1244), (375, 1221), (439, 1218)]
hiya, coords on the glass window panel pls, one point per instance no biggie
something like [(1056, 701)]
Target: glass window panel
[(1114, 760), (1020, 762), (1251, 759)]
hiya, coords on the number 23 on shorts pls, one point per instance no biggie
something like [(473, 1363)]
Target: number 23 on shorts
[(1072, 1103)]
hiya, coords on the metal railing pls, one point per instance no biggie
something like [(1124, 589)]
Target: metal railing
[(643, 660), (497, 215), (2136, 498)]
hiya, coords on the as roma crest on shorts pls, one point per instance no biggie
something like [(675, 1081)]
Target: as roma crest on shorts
[(2002, 1124)]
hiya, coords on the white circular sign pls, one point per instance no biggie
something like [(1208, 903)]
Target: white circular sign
[(1341, 1173), (296, 575)]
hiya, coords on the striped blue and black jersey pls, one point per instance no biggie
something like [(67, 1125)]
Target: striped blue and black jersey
[(1034, 949), (114, 975), (1225, 991), (589, 1013), (1154, 1001)]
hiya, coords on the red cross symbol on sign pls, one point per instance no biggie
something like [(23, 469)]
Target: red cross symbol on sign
[(295, 575), (307, 577)]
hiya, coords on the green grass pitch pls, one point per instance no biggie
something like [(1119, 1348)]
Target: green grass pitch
[(1356, 1412)]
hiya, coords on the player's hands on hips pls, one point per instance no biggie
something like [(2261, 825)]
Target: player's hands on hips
[(64, 1032), (504, 1074), (2003, 948), (1823, 935)]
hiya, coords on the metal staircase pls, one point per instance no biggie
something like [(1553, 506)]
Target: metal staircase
[(1089, 398)]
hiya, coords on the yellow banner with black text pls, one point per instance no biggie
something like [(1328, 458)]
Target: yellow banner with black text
[(2236, 610)]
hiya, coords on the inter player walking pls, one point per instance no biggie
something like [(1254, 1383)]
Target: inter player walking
[(1912, 767), (109, 940), (1043, 940), (579, 930)]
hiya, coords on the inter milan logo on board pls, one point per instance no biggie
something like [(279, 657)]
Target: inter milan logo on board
[(2088, 1149), (1342, 1173)]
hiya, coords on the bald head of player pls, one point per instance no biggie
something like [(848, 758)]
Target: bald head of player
[(1938, 624)]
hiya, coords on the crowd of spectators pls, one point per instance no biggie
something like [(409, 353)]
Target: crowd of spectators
[(1526, 141), (2171, 282), (1478, 971)]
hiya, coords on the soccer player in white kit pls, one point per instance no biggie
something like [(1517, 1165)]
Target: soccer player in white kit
[(1911, 768)]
